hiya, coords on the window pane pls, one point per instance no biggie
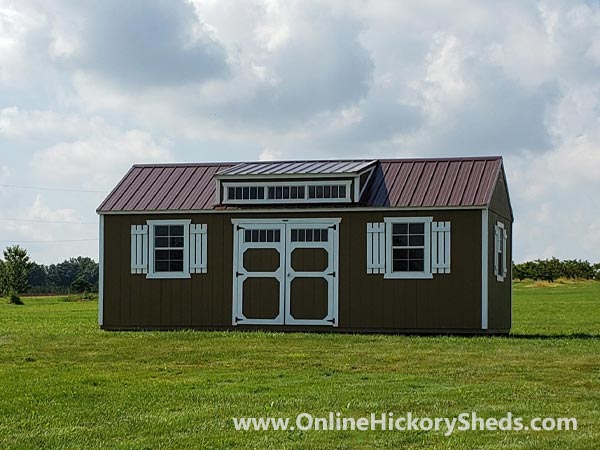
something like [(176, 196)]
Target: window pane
[(327, 191), (262, 236), (400, 228), (161, 230), (416, 265), (416, 228), (176, 241), (301, 193), (278, 192), (400, 265), (161, 255), (302, 235), (176, 230), (253, 193), (269, 235), (294, 192), (261, 192), (176, 266), (417, 240), (255, 236), (400, 240), (400, 253), (415, 253), (176, 254), (161, 266), (271, 192), (286, 192), (309, 235), (311, 192), (342, 191), (324, 235), (247, 236), (231, 193), (246, 193), (277, 236), (294, 235), (161, 242), (319, 193), (334, 192), (238, 193)]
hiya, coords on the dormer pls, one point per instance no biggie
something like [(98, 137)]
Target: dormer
[(293, 182)]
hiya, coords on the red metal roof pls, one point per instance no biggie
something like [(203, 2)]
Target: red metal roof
[(406, 183), (286, 168)]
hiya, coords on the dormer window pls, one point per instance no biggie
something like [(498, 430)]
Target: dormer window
[(293, 182), (288, 192)]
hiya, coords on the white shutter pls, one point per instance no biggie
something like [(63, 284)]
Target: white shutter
[(440, 247), (496, 249), (504, 265), (376, 247), (198, 248), (139, 249)]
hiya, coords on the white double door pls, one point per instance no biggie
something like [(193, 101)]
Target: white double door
[(285, 271)]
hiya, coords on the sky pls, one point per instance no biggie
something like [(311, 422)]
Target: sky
[(88, 88)]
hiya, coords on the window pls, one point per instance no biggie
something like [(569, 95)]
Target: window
[(262, 235), (169, 249), (500, 238), (288, 192), (309, 235), (408, 247)]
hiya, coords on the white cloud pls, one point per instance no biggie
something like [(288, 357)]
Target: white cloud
[(98, 161)]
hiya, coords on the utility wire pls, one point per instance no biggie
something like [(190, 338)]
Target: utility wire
[(46, 221), (14, 186), (51, 241)]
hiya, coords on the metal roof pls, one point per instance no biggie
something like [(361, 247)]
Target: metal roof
[(287, 168), (440, 182)]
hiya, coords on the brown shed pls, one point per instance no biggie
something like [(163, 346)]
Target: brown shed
[(398, 245)]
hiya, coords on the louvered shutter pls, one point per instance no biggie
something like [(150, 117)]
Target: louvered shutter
[(376, 247), (139, 249), (440, 247), (198, 248)]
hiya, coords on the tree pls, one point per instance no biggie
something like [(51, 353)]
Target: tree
[(14, 271), (81, 285)]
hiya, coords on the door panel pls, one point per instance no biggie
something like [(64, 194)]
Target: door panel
[(309, 298), (261, 298), (258, 274), (311, 279), (285, 272)]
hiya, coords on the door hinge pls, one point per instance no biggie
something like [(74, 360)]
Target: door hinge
[(237, 319), (331, 320), (331, 274), (333, 227), (239, 227), (238, 274)]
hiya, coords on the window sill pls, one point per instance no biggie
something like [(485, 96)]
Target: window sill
[(408, 275), (168, 275)]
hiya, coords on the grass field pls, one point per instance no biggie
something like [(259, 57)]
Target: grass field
[(66, 384)]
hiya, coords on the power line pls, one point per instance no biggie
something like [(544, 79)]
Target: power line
[(40, 188), (50, 241), (47, 221)]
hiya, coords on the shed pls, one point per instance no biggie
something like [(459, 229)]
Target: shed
[(389, 245)]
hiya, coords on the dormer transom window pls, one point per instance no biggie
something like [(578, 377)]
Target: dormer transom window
[(288, 192)]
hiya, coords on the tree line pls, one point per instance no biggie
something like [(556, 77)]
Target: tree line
[(553, 268), (19, 275)]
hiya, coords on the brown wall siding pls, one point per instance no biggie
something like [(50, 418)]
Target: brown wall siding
[(499, 292), (366, 302)]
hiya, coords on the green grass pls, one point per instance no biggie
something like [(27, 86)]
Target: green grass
[(66, 384)]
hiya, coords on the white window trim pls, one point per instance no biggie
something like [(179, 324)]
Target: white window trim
[(389, 273), (500, 247), (186, 249), (265, 184)]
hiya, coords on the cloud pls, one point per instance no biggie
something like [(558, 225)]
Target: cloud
[(98, 161), (140, 44)]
